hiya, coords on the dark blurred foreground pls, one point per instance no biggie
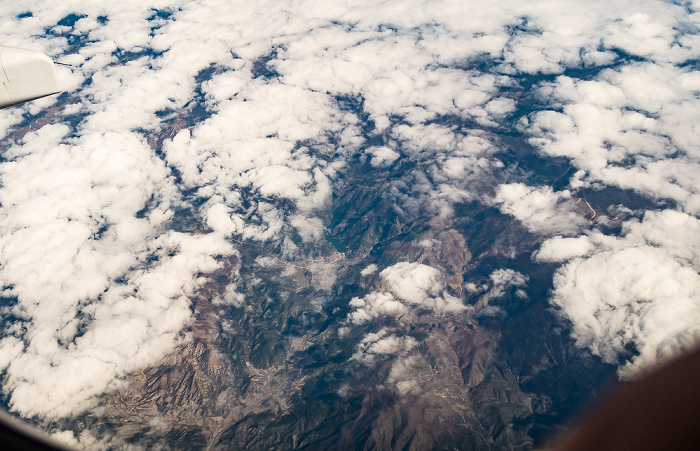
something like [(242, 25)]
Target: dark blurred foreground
[(661, 411)]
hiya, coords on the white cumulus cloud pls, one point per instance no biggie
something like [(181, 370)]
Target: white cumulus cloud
[(640, 291)]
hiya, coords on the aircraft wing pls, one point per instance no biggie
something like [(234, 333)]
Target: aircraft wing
[(26, 75)]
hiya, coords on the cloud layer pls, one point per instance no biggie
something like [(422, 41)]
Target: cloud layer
[(245, 115), (411, 288), (638, 291)]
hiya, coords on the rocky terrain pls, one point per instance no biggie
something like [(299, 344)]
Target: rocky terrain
[(282, 371)]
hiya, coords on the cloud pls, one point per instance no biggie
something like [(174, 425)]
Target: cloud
[(233, 297), (505, 278), (73, 349), (402, 375), (370, 269), (491, 311), (310, 229), (382, 344), (642, 34), (174, 110), (382, 156), (558, 249), (412, 282), (541, 210), (412, 287), (101, 290), (641, 290), (373, 305), (421, 286), (631, 127)]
